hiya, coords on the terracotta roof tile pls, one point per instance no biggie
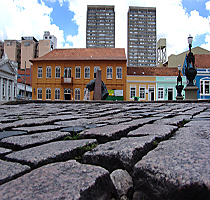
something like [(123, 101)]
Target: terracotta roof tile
[(84, 54), (202, 61), (153, 71)]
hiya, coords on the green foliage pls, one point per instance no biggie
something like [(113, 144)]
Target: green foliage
[(73, 137), (155, 143)]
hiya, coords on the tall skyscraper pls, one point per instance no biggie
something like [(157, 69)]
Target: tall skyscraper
[(100, 27), (141, 49)]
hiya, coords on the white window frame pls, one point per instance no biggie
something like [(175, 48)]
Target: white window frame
[(48, 93), (67, 72), (39, 92), (57, 72), (119, 73), (160, 93), (77, 74), (144, 93), (57, 94), (40, 70), (77, 94), (87, 73), (132, 87), (109, 72), (48, 72)]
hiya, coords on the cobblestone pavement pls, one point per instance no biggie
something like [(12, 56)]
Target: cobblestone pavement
[(68, 150)]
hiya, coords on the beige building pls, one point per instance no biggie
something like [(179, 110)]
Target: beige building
[(48, 43), (28, 51), (12, 48), (28, 48), (175, 60)]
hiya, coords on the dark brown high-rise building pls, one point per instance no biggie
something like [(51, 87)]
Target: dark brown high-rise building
[(141, 47), (100, 27)]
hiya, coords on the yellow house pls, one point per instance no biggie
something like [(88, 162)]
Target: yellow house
[(62, 74)]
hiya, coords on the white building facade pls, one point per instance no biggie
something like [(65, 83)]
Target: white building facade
[(8, 79)]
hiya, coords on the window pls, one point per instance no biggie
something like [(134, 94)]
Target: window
[(160, 93), (67, 72), (142, 92), (39, 72), (48, 93), (95, 71), (119, 72), (77, 94), (205, 87), (39, 93), (87, 72), (15, 92), (132, 91), (57, 72), (9, 90), (57, 93), (48, 75), (3, 89), (109, 72), (77, 72)]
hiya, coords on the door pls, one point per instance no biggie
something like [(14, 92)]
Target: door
[(170, 93), (67, 94), (151, 94)]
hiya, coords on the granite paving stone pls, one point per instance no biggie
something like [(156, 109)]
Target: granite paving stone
[(120, 154), (140, 122), (4, 151), (10, 170), (176, 120), (106, 133), (26, 122), (42, 128), (161, 132), (5, 134), (26, 141), (177, 169), (64, 180), (48, 153), (164, 146)]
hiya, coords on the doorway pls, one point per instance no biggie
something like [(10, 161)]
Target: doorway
[(151, 94), (67, 94), (170, 93)]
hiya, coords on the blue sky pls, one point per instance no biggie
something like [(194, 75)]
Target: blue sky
[(66, 19)]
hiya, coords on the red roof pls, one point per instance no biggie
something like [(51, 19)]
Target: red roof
[(84, 54), (202, 60), (153, 71)]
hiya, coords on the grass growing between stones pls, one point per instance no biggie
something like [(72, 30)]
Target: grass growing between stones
[(73, 137), (84, 149)]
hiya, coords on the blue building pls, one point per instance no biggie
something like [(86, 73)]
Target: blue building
[(202, 79)]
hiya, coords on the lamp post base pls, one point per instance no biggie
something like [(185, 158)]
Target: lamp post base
[(179, 98), (191, 92)]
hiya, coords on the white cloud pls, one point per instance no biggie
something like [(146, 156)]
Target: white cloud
[(173, 23), (26, 18), (29, 18)]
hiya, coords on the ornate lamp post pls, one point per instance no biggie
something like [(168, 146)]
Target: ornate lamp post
[(190, 72), (179, 86)]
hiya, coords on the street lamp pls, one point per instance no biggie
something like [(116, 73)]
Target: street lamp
[(179, 86), (190, 70)]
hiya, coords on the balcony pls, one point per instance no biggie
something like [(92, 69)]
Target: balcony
[(66, 80)]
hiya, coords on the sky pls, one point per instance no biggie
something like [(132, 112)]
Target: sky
[(66, 20)]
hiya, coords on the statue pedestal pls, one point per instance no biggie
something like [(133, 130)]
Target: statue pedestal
[(191, 92), (97, 89), (179, 98)]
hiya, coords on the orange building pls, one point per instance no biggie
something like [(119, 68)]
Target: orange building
[(62, 74)]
